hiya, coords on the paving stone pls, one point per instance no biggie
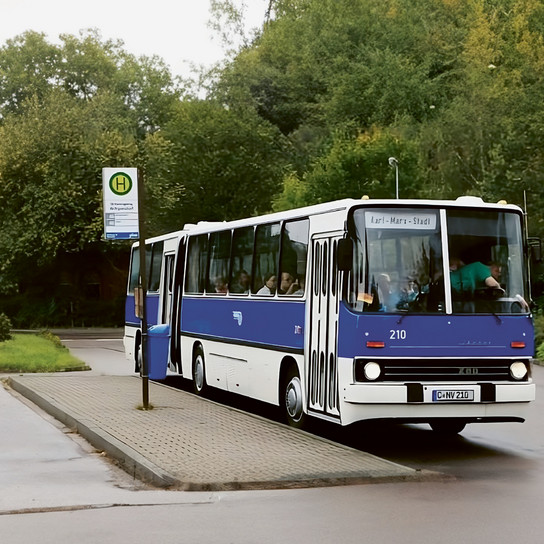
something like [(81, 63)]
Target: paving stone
[(188, 442)]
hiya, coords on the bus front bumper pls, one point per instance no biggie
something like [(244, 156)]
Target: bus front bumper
[(438, 393)]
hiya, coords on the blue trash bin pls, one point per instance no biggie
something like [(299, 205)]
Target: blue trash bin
[(157, 351)]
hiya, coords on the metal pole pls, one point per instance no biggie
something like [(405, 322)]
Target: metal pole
[(143, 285), (394, 163)]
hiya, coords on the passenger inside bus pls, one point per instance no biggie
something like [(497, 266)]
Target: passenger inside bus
[(270, 283), (384, 291), (221, 286), (241, 284), (467, 278), (289, 285), (393, 296)]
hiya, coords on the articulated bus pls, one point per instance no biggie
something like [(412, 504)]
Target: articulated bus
[(409, 310)]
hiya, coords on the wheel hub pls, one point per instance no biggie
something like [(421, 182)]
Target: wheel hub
[(293, 399)]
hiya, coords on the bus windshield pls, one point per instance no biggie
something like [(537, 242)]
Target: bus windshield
[(423, 261)]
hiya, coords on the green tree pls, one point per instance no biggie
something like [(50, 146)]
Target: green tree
[(50, 186), (460, 77), (86, 67), (485, 140), (356, 166), (66, 111), (209, 163)]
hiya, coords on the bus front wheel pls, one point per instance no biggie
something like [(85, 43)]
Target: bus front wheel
[(199, 372), (292, 400)]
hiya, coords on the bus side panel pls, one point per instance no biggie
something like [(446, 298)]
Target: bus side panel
[(244, 341), (249, 371), (132, 325), (130, 311), (152, 306), (152, 301), (274, 324)]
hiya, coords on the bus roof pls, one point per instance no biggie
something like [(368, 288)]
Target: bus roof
[(344, 204)]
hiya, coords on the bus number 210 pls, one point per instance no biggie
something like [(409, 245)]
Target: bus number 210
[(397, 334)]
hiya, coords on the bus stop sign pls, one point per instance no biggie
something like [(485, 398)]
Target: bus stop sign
[(120, 190)]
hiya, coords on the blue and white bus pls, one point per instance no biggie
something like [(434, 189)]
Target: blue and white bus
[(406, 310)]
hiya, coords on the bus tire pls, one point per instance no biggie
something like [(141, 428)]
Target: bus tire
[(292, 399), (447, 426), (199, 372)]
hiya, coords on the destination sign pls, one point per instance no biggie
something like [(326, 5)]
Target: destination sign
[(393, 219)]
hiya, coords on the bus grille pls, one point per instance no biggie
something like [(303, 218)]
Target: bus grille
[(438, 370)]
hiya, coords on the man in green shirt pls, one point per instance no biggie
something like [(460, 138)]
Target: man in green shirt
[(468, 278)]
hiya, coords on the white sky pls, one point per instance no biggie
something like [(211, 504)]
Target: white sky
[(175, 30)]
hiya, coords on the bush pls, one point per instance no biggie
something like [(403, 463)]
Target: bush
[(28, 312), (538, 320), (53, 338), (539, 336), (5, 328)]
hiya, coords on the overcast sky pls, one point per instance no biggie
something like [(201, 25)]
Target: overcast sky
[(173, 29)]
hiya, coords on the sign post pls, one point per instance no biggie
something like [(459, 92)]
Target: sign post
[(123, 220)]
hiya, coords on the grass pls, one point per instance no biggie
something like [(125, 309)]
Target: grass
[(37, 353)]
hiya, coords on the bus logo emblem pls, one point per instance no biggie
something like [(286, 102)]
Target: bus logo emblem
[(237, 315), (468, 371)]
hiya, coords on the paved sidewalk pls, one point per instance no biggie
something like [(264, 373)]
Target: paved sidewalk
[(191, 443)]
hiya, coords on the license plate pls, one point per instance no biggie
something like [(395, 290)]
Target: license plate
[(448, 395)]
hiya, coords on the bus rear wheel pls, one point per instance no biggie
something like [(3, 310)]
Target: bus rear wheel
[(199, 372), (292, 400), (447, 426)]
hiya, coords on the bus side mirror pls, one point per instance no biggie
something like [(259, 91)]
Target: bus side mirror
[(535, 249), (344, 254)]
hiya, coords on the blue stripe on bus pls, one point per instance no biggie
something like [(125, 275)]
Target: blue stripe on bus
[(152, 307), (415, 335), (271, 323)]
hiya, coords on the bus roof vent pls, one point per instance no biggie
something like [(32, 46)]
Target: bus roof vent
[(469, 200)]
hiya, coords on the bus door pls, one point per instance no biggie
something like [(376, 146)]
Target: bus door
[(166, 294), (324, 304), (178, 267)]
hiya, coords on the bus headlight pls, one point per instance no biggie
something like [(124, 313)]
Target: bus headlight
[(518, 370), (372, 371)]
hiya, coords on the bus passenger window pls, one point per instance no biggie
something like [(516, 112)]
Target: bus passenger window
[(265, 263), (294, 251), (197, 258), (134, 270), (156, 266), (219, 263), (242, 257)]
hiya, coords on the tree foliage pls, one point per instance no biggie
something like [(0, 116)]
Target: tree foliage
[(455, 80), (50, 159), (211, 163), (68, 110), (65, 112)]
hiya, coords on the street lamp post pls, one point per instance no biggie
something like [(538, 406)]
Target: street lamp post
[(394, 163)]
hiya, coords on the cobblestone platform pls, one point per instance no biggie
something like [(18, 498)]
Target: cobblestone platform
[(191, 443)]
